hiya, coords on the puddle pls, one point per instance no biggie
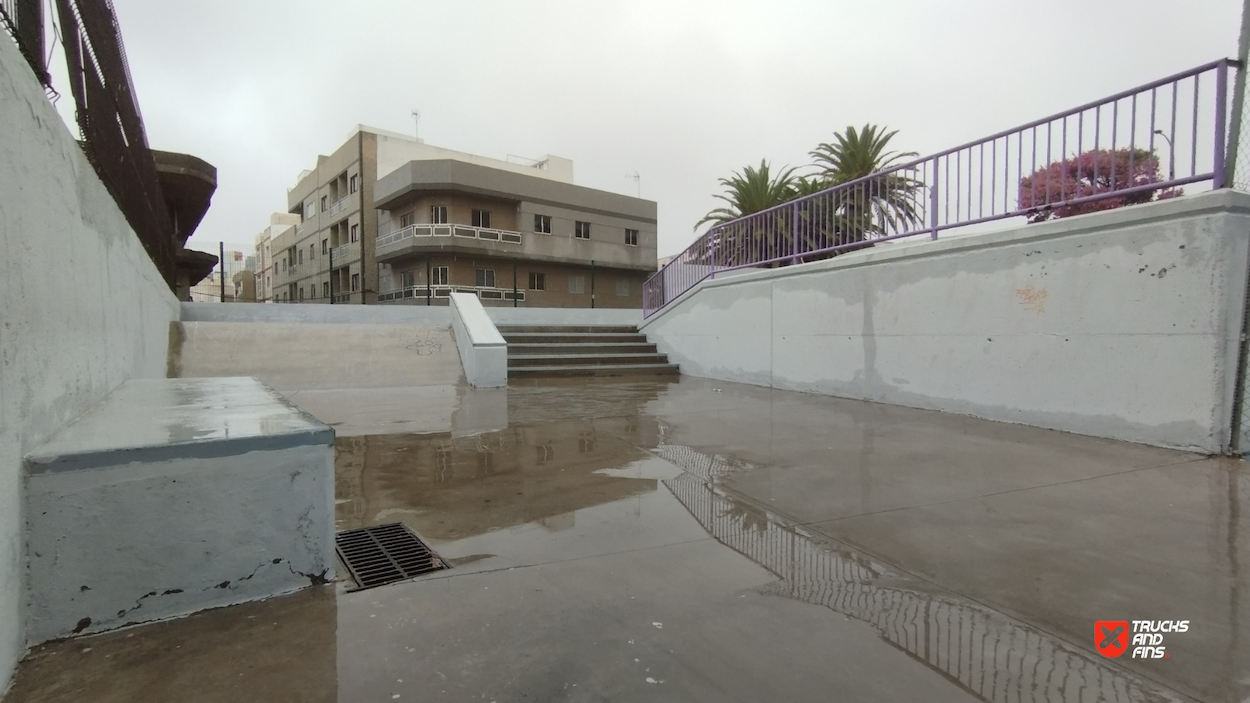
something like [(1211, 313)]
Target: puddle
[(449, 488), (984, 652)]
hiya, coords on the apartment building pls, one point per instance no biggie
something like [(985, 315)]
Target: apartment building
[(279, 222), (210, 288), (388, 218)]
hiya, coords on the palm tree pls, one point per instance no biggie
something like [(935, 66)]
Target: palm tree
[(747, 192), (752, 190), (876, 205)]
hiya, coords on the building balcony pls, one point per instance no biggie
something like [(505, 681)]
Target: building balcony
[(345, 253), (443, 293), (402, 241), (339, 205)]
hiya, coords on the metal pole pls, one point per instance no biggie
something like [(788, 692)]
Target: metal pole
[(1221, 115), (429, 289), (1239, 97), (514, 303), (221, 250), (331, 276), (933, 201), (794, 253), (592, 283)]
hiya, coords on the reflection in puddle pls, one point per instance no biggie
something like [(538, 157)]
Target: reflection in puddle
[(981, 650), (449, 488)]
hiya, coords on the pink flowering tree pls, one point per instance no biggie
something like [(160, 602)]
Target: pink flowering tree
[(1099, 172)]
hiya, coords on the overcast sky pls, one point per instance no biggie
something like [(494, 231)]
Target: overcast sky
[(679, 91)]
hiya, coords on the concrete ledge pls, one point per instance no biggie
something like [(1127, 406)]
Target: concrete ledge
[(323, 314), (173, 496), (483, 350)]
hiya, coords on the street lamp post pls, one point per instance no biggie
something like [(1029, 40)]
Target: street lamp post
[(1171, 155)]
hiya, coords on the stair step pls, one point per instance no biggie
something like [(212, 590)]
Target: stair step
[(517, 362), (567, 329), (526, 349), (583, 338), (611, 370)]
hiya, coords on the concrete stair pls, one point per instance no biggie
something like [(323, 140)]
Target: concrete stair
[(551, 351)]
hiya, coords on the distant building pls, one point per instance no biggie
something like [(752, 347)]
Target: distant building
[(387, 218), (245, 286), (279, 222), (209, 290)]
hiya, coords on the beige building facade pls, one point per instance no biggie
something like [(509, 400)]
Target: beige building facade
[(279, 222), (389, 219)]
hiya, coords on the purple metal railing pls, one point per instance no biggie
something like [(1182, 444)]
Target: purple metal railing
[(1098, 156)]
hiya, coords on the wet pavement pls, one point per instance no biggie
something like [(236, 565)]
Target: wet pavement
[(703, 540)]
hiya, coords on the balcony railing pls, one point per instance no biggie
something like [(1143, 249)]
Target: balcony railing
[(444, 292), (338, 205), (299, 229), (1102, 155), (449, 231), (342, 253)]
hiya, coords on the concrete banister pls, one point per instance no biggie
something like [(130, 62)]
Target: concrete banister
[(483, 350)]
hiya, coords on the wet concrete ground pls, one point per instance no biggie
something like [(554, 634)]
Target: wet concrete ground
[(710, 541)]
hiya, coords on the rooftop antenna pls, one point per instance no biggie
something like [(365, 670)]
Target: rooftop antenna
[(416, 116), (637, 181)]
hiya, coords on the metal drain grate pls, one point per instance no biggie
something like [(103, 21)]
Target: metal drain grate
[(384, 554)]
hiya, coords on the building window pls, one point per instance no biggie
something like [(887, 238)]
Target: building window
[(542, 224), (438, 214), (308, 210), (577, 284), (582, 230), (312, 251), (622, 286), (486, 278), (406, 220), (301, 256), (301, 293), (284, 265), (407, 279), (438, 276), (325, 203), (325, 289), (353, 184), (481, 218), (325, 246), (538, 281), (355, 282), (631, 237), (355, 236)]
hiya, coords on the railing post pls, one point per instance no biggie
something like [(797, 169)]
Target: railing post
[(933, 202), (711, 253), (794, 253), (1221, 115)]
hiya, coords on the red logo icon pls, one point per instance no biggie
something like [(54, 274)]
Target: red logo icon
[(1111, 637)]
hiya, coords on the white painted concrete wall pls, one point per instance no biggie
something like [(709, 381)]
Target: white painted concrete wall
[(483, 351), (316, 314), (84, 308), (1120, 324), (399, 314), (564, 316)]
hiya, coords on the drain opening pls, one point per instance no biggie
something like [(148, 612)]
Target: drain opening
[(376, 556)]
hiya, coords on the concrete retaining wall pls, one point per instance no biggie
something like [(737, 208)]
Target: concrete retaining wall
[(1121, 324), (399, 314), (84, 308), (317, 314)]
